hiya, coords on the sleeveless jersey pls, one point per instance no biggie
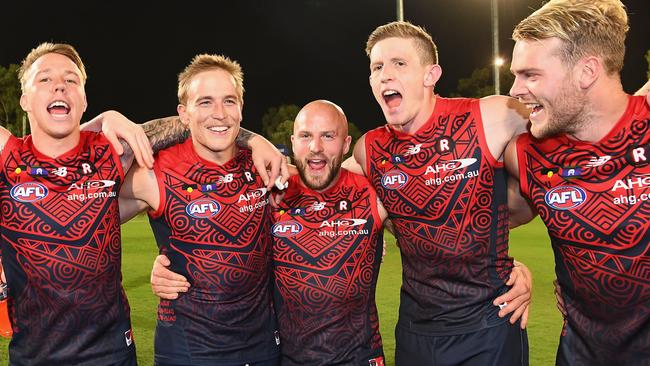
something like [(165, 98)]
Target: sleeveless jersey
[(213, 223), (446, 197), (593, 198), (326, 254), (61, 252)]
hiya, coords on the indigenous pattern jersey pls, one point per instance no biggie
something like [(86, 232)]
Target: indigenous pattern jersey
[(61, 253), (593, 198), (326, 254), (213, 223), (446, 197)]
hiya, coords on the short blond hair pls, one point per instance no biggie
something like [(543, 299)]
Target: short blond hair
[(205, 62), (586, 27), (45, 48), (425, 46)]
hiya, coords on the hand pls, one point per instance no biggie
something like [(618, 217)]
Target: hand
[(115, 126), (517, 299), (165, 283), (265, 155), (558, 296)]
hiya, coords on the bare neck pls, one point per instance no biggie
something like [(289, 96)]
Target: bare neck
[(423, 115), (606, 104), (54, 147)]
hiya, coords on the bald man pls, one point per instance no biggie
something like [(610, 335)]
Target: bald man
[(327, 248)]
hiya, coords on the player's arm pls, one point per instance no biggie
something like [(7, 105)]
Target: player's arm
[(503, 119), (357, 162), (139, 192), (165, 283), (517, 300), (128, 139), (519, 207), (168, 131)]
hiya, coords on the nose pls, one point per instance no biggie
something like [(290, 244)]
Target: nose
[(315, 145), (218, 111), (386, 74), (59, 86), (517, 89)]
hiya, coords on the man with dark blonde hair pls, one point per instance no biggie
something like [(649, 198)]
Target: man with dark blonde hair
[(61, 246), (583, 168), (437, 169), (208, 209)]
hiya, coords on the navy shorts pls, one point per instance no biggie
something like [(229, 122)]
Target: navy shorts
[(502, 345)]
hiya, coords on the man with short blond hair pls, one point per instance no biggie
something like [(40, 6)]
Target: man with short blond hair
[(582, 168)]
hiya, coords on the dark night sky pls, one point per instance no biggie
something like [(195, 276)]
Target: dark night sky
[(291, 51)]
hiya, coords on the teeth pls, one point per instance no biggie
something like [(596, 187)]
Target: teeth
[(58, 103), (389, 92), (218, 128)]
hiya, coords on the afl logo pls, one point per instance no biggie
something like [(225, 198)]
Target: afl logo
[(565, 197), (286, 229), (29, 192), (203, 208), (394, 179)]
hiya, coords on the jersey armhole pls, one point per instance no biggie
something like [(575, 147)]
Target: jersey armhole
[(520, 146), (482, 139), (154, 214)]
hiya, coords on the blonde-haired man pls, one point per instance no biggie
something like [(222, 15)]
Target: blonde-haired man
[(583, 168), (208, 209), (437, 169), (61, 246)]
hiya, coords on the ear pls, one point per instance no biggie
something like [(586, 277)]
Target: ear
[(293, 148), (432, 75), (588, 71), (24, 103), (182, 114), (85, 102), (346, 146)]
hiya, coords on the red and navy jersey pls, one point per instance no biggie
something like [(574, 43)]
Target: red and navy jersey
[(593, 198), (62, 254), (214, 224), (326, 254), (446, 197)]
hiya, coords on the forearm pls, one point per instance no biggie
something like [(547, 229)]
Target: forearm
[(244, 137), (165, 132)]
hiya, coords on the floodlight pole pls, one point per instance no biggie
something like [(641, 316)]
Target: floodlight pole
[(495, 46)]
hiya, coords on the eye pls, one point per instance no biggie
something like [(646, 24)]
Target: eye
[(205, 103), (400, 63), (328, 136), (71, 81), (376, 68), (230, 101), (44, 79)]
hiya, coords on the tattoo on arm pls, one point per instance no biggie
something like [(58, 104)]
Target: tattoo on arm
[(244, 137), (127, 157), (165, 132)]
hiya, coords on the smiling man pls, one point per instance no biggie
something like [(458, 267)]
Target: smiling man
[(583, 167), (61, 246), (209, 213)]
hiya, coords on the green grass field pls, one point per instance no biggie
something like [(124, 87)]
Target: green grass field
[(528, 244)]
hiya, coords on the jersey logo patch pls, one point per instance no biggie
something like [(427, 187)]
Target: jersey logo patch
[(203, 208), (565, 197), (394, 179), (29, 192), (286, 229)]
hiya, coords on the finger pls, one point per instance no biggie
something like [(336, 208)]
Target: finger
[(261, 170), (276, 162), (284, 170), (145, 148), (162, 260), (517, 314), (115, 141), (165, 294), (172, 285), (524, 319)]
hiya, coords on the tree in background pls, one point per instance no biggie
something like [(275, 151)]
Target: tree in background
[(11, 114), (480, 83), (277, 126)]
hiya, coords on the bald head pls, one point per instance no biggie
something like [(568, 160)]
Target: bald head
[(322, 110), (320, 139)]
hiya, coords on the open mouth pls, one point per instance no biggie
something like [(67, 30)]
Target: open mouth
[(535, 109), (392, 98), (58, 107), (316, 164)]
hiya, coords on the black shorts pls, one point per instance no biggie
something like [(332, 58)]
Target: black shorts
[(502, 345), (271, 362)]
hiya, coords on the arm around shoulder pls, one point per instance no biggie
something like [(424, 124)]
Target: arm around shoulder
[(519, 207)]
